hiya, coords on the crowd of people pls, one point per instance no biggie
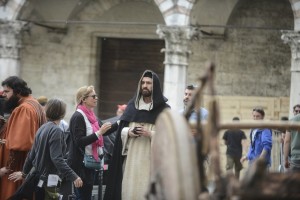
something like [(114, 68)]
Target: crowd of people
[(260, 146), (33, 145), (33, 142)]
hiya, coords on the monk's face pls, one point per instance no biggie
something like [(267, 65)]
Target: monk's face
[(12, 100), (146, 86), (7, 92)]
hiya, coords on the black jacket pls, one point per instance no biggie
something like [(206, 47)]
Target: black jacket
[(46, 154)]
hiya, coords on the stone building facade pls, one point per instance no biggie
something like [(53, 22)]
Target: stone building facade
[(56, 46)]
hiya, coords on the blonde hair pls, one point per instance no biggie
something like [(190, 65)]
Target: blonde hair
[(42, 100), (82, 93)]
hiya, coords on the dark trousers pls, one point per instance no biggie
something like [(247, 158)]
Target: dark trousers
[(66, 189), (84, 192)]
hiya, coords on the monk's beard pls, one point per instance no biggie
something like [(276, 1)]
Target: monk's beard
[(146, 93), (11, 104)]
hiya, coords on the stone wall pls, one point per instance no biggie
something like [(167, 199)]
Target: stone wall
[(56, 62), (250, 62)]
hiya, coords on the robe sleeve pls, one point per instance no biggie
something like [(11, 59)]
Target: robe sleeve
[(152, 133), (125, 138)]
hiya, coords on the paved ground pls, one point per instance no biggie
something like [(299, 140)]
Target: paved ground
[(95, 192), (210, 188)]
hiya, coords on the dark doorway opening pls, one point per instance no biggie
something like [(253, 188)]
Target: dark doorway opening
[(121, 64)]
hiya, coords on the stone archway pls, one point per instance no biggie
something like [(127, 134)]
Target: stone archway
[(176, 13), (295, 4)]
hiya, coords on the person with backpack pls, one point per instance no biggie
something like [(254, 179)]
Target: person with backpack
[(260, 140)]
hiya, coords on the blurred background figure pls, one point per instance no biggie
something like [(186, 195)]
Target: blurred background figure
[(235, 141), (188, 94), (42, 100), (282, 136), (202, 112), (292, 144), (260, 140), (109, 140), (121, 109)]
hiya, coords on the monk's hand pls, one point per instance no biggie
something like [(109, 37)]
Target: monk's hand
[(16, 176), (78, 182), (133, 132), (144, 132)]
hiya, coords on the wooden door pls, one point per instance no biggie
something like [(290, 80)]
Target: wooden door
[(122, 63)]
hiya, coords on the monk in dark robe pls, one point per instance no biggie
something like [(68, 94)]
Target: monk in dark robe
[(129, 171)]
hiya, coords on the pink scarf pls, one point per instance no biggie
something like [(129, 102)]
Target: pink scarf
[(94, 122)]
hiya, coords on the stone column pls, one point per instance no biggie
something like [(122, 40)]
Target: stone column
[(177, 51), (293, 39), (10, 43)]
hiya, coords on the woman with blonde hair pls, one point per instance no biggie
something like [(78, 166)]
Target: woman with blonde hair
[(86, 135)]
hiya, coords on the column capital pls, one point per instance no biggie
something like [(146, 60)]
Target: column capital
[(177, 51), (10, 38), (177, 40), (292, 38), (177, 33)]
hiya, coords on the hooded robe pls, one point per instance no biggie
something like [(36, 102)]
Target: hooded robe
[(129, 171)]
